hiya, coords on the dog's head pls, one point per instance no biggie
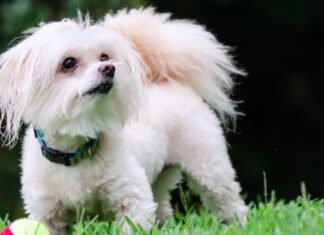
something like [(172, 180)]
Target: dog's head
[(69, 77)]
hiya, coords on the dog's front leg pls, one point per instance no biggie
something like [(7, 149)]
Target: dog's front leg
[(129, 193), (47, 211)]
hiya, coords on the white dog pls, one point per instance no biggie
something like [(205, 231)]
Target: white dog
[(109, 106)]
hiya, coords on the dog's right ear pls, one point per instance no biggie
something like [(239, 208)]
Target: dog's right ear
[(15, 64), (19, 68)]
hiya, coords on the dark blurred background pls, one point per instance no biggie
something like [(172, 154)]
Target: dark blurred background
[(278, 42)]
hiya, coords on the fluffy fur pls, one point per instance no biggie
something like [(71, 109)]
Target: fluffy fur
[(155, 117)]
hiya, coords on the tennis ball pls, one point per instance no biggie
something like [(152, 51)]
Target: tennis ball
[(25, 227)]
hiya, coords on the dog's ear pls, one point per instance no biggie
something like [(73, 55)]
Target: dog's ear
[(21, 68), (130, 98), (15, 65)]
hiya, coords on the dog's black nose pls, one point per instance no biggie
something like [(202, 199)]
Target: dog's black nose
[(108, 70)]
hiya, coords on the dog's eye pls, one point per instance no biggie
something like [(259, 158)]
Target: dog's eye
[(104, 57), (69, 64)]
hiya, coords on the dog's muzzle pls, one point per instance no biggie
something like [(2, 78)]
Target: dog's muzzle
[(107, 71)]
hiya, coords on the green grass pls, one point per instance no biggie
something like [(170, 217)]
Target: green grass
[(298, 217)]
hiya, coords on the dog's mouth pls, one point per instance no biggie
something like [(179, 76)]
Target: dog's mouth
[(101, 89)]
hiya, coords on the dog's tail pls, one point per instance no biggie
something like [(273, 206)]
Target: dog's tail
[(182, 51)]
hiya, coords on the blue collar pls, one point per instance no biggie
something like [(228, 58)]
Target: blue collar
[(67, 159)]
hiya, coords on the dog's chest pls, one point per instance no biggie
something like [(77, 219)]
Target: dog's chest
[(79, 191)]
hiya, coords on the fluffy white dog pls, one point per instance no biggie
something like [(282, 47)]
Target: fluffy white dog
[(115, 109)]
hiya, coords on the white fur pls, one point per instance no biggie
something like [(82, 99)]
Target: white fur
[(142, 128)]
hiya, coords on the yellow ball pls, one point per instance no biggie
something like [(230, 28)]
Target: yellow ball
[(28, 227)]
